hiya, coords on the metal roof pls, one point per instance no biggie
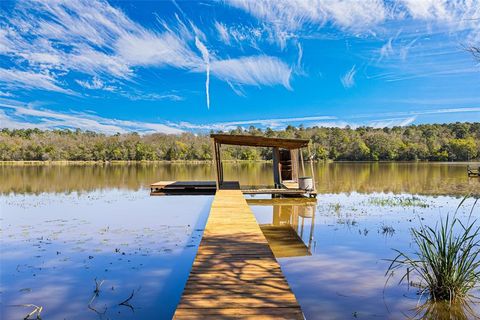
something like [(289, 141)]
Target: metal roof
[(257, 141)]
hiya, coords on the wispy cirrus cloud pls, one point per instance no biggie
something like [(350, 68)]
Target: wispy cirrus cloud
[(50, 39), (287, 18), (348, 79), (20, 116), (409, 29), (16, 79), (96, 84), (274, 123), (257, 70)]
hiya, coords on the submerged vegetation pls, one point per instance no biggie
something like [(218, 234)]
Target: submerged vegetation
[(446, 261), (432, 142)]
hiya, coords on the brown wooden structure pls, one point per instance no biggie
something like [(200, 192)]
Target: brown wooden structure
[(235, 274), (287, 162), (473, 172)]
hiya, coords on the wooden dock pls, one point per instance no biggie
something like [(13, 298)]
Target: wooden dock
[(472, 172), (189, 187), (235, 274), (210, 187)]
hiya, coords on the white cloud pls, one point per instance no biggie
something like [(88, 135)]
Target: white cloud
[(222, 31), (257, 70), (348, 80), (309, 121), (96, 84), (287, 17), (410, 114), (395, 122), (134, 96), (29, 80), (5, 94), (148, 49), (206, 58), (274, 123), (98, 40), (14, 115), (387, 49)]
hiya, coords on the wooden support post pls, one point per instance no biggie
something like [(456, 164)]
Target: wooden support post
[(301, 160), (294, 162), (311, 168), (215, 159), (220, 166), (276, 168)]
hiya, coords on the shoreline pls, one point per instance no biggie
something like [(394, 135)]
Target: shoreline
[(148, 162)]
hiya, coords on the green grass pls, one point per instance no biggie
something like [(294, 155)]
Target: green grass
[(398, 202), (446, 261)]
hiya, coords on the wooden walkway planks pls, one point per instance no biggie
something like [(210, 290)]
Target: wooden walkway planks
[(235, 275)]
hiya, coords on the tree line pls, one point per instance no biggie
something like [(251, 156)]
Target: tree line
[(427, 142)]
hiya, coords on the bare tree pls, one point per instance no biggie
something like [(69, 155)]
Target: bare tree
[(475, 51)]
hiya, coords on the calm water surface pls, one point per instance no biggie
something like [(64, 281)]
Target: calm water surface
[(65, 227)]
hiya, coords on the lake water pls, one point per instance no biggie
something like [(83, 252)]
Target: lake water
[(67, 229)]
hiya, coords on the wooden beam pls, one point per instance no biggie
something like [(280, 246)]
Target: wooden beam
[(257, 141)]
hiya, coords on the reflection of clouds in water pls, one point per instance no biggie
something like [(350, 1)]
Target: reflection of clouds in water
[(346, 272), (337, 284), (55, 251), (345, 276)]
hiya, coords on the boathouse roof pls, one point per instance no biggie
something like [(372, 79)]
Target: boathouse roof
[(257, 141)]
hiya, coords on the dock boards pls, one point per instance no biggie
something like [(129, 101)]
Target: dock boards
[(235, 275)]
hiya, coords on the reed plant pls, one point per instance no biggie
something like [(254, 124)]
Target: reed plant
[(446, 261)]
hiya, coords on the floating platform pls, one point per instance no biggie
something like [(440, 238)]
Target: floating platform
[(190, 187), (235, 274)]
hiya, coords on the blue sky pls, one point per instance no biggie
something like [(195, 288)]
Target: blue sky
[(173, 66)]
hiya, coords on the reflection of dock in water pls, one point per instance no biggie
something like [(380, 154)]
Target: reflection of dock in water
[(286, 232)]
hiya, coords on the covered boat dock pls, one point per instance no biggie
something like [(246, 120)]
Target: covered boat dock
[(288, 164)]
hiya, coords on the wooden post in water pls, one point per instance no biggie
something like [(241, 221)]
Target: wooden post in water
[(217, 178), (219, 166), (311, 167), (276, 168), (301, 160)]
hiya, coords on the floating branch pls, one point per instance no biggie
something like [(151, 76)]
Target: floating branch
[(126, 302), (96, 293), (36, 310)]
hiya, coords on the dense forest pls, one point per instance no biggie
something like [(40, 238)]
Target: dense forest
[(430, 142)]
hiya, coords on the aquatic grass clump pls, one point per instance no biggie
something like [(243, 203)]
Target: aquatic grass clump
[(398, 202), (446, 261)]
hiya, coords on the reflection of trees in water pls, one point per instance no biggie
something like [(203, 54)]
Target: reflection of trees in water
[(444, 310), (396, 177)]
